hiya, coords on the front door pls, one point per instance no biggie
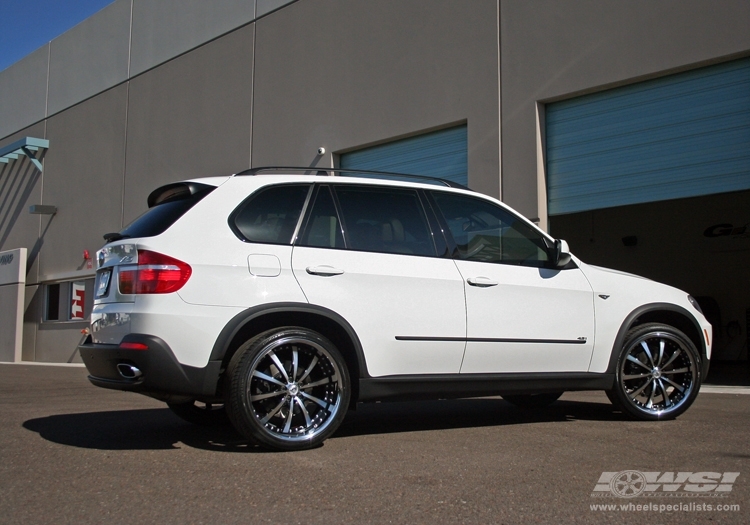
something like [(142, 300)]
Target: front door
[(522, 316)]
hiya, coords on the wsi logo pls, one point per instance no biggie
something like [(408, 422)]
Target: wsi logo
[(6, 259), (632, 483)]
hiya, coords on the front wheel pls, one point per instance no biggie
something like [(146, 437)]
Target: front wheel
[(658, 373), (288, 389)]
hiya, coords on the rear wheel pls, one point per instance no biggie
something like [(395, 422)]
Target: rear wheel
[(531, 401), (658, 373), (289, 389), (198, 413)]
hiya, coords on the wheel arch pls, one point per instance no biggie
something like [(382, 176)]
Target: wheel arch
[(665, 313), (328, 323)]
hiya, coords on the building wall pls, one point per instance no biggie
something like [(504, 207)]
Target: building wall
[(354, 75)]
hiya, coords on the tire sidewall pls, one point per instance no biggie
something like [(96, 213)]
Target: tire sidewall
[(624, 402), (240, 411)]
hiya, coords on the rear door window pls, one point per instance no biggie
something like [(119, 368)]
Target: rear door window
[(387, 220)]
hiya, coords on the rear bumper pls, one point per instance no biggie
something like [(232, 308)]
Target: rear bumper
[(162, 376)]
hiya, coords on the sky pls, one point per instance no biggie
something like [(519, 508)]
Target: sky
[(27, 25)]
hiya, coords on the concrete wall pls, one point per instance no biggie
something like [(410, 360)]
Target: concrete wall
[(190, 118), (119, 42), (347, 74), (553, 49)]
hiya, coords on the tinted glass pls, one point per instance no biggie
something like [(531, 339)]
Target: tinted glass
[(384, 220), (156, 220), (323, 227), (488, 233), (270, 215)]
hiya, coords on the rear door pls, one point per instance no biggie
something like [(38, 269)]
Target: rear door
[(367, 252)]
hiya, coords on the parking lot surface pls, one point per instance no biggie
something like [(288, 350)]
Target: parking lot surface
[(74, 453)]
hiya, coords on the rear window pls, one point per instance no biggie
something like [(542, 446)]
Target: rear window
[(166, 209)]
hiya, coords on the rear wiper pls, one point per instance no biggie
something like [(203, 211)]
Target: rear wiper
[(115, 236)]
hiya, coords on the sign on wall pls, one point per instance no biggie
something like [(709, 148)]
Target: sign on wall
[(77, 300), (13, 266)]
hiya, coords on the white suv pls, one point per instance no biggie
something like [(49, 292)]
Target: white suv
[(281, 299)]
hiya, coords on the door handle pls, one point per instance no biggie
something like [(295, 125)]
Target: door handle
[(481, 282), (324, 270)]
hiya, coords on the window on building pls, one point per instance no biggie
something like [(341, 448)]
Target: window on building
[(69, 300)]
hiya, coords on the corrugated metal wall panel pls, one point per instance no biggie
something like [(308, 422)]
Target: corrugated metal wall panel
[(440, 153), (678, 136)]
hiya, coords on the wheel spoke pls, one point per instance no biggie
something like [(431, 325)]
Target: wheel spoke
[(266, 377), (288, 424), (633, 359), (301, 405), (676, 371), (644, 345), (273, 412), (281, 368), (635, 376), (667, 402), (308, 369), (651, 396), (323, 381), (662, 342), (314, 399), (260, 397), (635, 394), (295, 362), (672, 358), (678, 387)]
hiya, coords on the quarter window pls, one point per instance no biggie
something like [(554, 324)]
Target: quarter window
[(488, 233), (270, 216)]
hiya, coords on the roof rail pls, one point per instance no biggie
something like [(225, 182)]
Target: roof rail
[(349, 172)]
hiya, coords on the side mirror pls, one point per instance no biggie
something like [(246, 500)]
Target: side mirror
[(560, 254)]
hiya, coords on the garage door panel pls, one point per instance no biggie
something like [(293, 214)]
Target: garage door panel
[(679, 136), (442, 153)]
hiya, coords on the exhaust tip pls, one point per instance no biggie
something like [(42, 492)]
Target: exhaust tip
[(129, 371)]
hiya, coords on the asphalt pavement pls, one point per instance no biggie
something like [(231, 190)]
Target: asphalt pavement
[(74, 453)]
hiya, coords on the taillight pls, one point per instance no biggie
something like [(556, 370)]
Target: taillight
[(154, 273)]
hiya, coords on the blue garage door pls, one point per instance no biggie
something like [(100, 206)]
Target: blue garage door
[(683, 135), (440, 153)]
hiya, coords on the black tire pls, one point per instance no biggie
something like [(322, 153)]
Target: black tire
[(289, 389), (532, 401), (658, 373), (204, 414)]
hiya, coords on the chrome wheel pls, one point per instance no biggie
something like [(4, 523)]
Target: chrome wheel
[(290, 389), (658, 373)]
